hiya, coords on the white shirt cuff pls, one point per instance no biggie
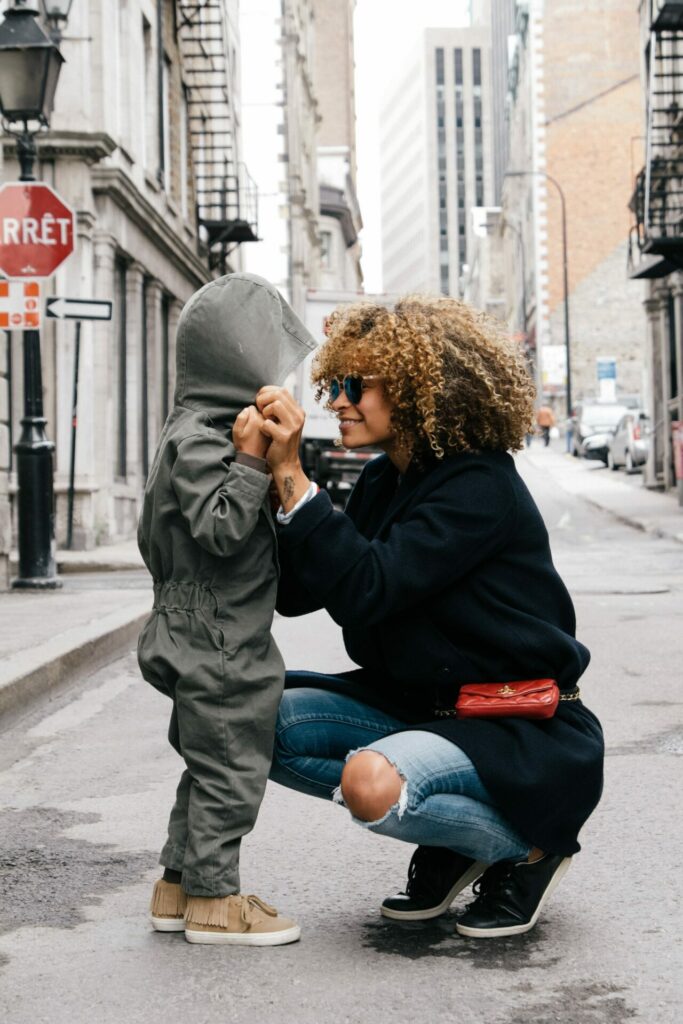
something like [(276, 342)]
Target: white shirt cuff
[(286, 517)]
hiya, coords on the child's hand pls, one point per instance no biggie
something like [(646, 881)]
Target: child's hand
[(246, 434)]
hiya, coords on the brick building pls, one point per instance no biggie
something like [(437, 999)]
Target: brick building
[(144, 144), (576, 115)]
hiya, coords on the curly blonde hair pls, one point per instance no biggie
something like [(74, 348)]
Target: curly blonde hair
[(455, 381)]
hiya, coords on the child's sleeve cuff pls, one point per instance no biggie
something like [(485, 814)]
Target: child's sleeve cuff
[(252, 461)]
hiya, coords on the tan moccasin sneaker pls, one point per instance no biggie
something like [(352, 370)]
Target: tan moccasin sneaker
[(168, 907), (237, 921)]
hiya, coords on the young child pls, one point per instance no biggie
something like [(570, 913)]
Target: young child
[(206, 534)]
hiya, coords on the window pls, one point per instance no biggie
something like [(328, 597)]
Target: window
[(440, 77), (476, 66), (148, 93), (326, 249), (165, 373), (117, 73), (457, 57), (183, 169), (442, 167), (166, 167), (122, 368), (144, 382), (478, 130), (459, 98)]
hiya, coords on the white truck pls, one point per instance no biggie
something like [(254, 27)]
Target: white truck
[(329, 464)]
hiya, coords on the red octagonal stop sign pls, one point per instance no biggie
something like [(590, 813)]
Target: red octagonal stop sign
[(37, 229)]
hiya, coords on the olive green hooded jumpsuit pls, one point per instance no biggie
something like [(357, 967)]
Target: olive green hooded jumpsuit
[(207, 536)]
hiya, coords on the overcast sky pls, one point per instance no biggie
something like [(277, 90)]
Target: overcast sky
[(384, 32)]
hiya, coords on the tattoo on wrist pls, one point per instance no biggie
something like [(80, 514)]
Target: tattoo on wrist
[(288, 488)]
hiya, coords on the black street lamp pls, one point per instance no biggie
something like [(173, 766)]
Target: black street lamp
[(565, 271), (29, 70)]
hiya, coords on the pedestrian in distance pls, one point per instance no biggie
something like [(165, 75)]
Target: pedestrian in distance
[(545, 418), (440, 573), (207, 536)]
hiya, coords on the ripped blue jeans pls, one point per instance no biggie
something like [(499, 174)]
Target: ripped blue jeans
[(443, 801)]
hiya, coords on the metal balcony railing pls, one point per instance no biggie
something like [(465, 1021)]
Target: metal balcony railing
[(658, 198), (224, 192)]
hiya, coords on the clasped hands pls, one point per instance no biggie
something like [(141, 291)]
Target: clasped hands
[(271, 429)]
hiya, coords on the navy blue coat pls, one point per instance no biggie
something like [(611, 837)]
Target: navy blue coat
[(441, 577)]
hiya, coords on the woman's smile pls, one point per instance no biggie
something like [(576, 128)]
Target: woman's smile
[(346, 424)]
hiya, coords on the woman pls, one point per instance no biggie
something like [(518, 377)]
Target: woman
[(440, 573)]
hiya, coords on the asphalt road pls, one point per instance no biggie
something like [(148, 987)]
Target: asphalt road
[(87, 780)]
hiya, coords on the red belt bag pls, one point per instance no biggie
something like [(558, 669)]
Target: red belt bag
[(531, 698)]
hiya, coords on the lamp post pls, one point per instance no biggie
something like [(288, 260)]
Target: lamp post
[(29, 70), (565, 271)]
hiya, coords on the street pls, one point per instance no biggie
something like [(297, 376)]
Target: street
[(86, 783)]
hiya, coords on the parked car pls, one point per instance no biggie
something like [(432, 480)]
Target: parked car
[(593, 424), (630, 443), (338, 471)]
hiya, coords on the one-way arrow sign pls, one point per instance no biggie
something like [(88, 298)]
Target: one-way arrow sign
[(78, 309)]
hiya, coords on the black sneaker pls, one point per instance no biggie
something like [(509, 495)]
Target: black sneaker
[(510, 897), (435, 877)]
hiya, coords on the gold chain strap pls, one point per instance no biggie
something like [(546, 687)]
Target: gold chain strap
[(452, 713)]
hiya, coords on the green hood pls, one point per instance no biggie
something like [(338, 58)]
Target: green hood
[(235, 335)]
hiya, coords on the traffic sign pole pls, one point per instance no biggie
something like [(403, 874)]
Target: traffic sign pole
[(37, 233), (35, 498)]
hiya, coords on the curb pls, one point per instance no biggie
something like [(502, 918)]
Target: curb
[(650, 527), (636, 524), (68, 566), (25, 676)]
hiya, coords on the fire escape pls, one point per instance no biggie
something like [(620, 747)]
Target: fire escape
[(225, 194), (656, 248)]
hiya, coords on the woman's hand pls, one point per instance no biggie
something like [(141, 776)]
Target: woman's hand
[(283, 422), (247, 435)]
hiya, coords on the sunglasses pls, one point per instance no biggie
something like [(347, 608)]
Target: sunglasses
[(352, 385)]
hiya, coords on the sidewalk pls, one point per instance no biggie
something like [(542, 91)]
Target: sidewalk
[(49, 638), (623, 497)]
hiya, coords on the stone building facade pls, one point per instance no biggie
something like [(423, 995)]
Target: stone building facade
[(130, 149), (300, 140), (339, 213), (656, 237), (280, 137), (301, 124)]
